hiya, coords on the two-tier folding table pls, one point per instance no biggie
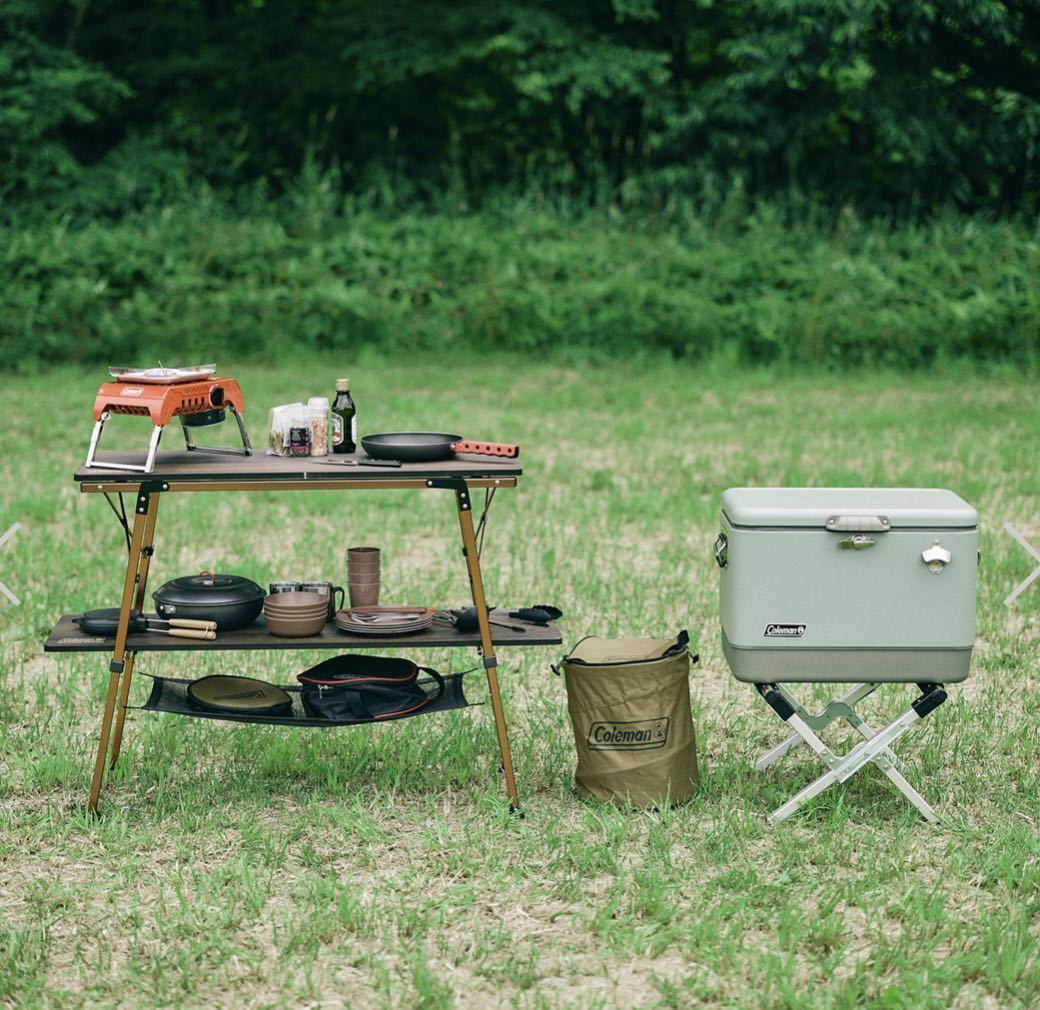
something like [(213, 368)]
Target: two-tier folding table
[(183, 472)]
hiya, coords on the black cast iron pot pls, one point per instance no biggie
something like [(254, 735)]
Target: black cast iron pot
[(230, 600)]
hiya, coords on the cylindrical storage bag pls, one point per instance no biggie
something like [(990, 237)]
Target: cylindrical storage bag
[(629, 702)]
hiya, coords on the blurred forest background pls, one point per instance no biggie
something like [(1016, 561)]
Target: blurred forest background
[(828, 183)]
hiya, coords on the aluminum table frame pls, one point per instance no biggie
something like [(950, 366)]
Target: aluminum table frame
[(874, 748), (149, 489)]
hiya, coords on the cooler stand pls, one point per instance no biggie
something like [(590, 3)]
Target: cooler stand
[(873, 749)]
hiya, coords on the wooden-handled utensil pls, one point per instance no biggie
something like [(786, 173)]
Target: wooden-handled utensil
[(426, 446), (182, 622), (207, 635)]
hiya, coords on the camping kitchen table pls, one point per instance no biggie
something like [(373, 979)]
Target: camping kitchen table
[(183, 472)]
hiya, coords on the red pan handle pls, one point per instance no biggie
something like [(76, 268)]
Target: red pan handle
[(487, 449)]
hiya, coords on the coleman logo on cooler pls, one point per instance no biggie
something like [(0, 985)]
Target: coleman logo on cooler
[(646, 734), (784, 630)]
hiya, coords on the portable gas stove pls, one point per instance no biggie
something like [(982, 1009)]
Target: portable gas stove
[(195, 395)]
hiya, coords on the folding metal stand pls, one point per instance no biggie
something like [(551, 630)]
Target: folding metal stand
[(153, 444), (874, 748)]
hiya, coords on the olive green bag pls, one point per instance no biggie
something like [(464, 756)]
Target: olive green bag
[(629, 702)]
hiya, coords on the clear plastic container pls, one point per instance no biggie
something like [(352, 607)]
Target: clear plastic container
[(279, 420), (318, 419)]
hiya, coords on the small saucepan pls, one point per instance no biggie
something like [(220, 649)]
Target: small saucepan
[(427, 446)]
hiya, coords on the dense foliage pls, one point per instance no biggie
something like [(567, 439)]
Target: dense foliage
[(888, 106), (746, 284)]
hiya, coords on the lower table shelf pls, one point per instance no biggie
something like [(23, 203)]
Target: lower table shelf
[(170, 694), (67, 637)]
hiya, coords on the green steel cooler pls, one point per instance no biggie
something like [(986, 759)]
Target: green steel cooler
[(847, 585)]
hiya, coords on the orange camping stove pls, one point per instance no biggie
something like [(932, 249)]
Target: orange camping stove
[(197, 404)]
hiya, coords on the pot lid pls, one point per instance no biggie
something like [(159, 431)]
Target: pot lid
[(839, 508), (209, 589)]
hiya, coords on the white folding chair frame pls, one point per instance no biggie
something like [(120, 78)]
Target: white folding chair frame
[(3, 540), (874, 748)]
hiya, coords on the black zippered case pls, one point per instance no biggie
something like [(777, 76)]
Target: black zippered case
[(361, 687)]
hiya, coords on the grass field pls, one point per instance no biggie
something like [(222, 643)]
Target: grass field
[(244, 866)]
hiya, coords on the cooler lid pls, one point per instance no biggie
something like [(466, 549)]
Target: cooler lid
[(848, 508)]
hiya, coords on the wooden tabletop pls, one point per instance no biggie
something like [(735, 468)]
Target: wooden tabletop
[(183, 466)]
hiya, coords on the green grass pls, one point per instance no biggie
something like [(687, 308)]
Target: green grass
[(252, 866), (752, 285)]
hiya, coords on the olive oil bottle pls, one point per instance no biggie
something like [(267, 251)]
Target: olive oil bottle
[(344, 420)]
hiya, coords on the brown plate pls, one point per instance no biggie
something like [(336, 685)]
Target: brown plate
[(412, 619)]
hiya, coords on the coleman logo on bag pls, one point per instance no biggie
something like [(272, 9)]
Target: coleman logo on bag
[(644, 735), (238, 696), (784, 630)]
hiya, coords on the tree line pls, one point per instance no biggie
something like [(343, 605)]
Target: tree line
[(892, 107)]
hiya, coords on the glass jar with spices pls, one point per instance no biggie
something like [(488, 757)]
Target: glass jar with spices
[(318, 417), (300, 432)]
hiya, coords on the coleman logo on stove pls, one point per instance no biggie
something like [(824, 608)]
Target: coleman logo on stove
[(644, 735), (784, 630)]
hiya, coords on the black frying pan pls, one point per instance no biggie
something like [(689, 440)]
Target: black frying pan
[(105, 622), (426, 446)]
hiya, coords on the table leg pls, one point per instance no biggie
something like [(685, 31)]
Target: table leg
[(147, 549), (117, 665), (487, 646)]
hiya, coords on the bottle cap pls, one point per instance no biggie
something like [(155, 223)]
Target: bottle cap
[(318, 403), (343, 385)]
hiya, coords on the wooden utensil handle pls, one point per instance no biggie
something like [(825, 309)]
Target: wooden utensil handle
[(185, 622), (487, 449), (207, 636)]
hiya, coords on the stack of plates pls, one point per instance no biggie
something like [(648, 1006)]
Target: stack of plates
[(384, 620)]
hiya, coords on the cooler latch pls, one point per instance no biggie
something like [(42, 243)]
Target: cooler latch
[(857, 543), (859, 524)]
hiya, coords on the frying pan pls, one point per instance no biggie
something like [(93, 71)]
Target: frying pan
[(426, 446), (106, 621)]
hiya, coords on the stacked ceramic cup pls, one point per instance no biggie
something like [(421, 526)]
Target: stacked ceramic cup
[(363, 576)]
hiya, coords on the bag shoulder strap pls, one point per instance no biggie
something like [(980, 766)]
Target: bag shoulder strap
[(438, 678)]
